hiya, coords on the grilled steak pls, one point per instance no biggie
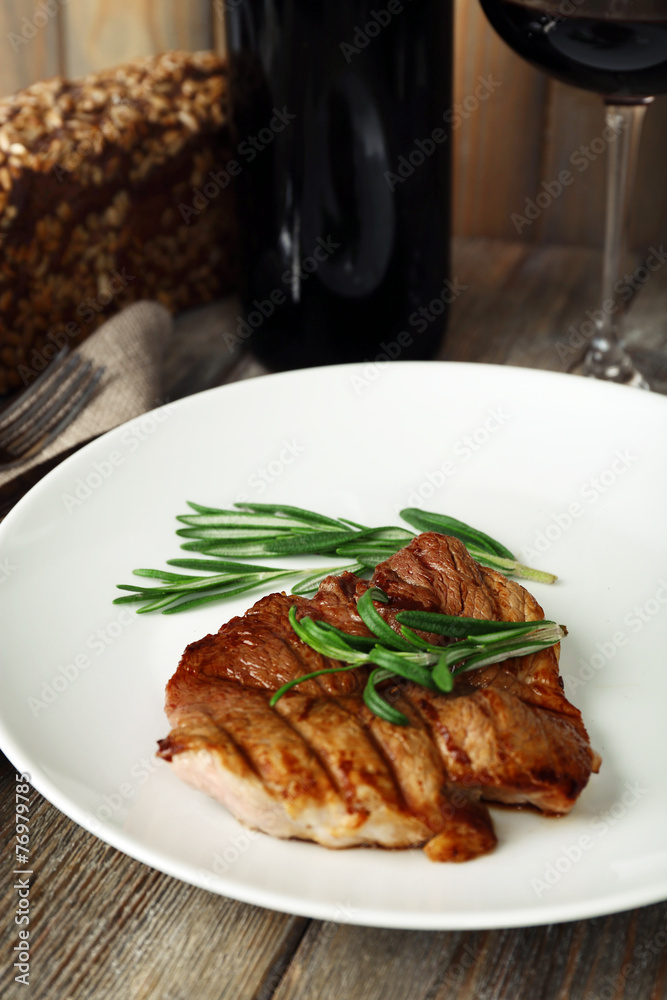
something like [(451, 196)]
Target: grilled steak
[(320, 766)]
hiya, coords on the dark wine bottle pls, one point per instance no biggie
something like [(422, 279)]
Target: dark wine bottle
[(341, 114)]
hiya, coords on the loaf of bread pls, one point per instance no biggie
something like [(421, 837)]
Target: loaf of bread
[(111, 191)]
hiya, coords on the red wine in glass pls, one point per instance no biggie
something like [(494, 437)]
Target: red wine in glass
[(617, 48), (615, 53)]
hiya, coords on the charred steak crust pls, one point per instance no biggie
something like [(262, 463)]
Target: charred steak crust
[(320, 766)]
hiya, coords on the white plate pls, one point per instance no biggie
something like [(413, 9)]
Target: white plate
[(574, 470)]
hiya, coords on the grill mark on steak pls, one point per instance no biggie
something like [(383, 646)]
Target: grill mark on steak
[(457, 589), (182, 738), (336, 735), (301, 715), (509, 746), (421, 774), (260, 650), (320, 766), (428, 717), (380, 750)]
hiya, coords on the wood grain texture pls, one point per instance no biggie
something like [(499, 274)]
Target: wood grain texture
[(497, 148), (572, 142), (574, 961), (649, 223), (105, 926), (532, 305), (521, 303), (101, 33), (218, 15), (525, 134), (30, 44), (507, 144)]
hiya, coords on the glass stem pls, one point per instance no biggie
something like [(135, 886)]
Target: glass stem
[(606, 357)]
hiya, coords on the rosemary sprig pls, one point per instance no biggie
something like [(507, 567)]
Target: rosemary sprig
[(252, 530), (230, 580), (256, 529), (411, 657)]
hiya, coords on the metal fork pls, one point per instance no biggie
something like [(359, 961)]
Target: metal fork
[(46, 408)]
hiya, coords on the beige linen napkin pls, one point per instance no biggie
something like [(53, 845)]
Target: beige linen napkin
[(131, 348)]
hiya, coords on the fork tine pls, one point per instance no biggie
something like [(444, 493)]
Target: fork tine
[(69, 415), (45, 405), (26, 414), (63, 409), (33, 389), (80, 404)]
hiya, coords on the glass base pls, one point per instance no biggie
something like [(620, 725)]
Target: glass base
[(609, 361), (653, 366), (640, 368)]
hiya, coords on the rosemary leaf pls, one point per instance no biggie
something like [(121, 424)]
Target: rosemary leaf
[(236, 519), (455, 626), (424, 520), (511, 567), (221, 566), (442, 676), (376, 624), (330, 644), (307, 516), (415, 659), (235, 534), (404, 665), (252, 530), (377, 703), (307, 677)]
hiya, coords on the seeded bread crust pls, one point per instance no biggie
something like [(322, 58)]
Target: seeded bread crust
[(93, 177)]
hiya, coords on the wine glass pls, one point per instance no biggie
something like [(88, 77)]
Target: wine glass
[(617, 48)]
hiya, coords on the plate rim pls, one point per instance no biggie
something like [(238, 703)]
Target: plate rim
[(159, 860)]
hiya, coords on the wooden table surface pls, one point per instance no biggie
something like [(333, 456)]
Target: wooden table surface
[(106, 927)]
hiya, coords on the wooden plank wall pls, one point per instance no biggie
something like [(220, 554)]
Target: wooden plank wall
[(520, 134), (30, 45), (525, 133)]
